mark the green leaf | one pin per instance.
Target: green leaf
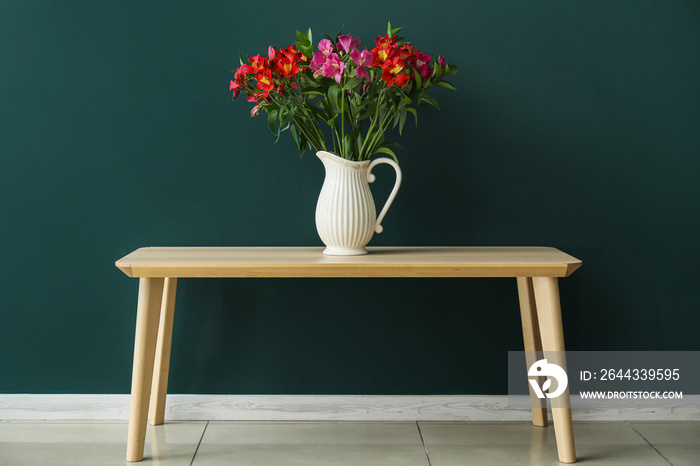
(293, 130)
(415, 114)
(305, 45)
(437, 70)
(370, 111)
(349, 144)
(430, 101)
(287, 115)
(272, 120)
(419, 80)
(402, 120)
(451, 69)
(299, 138)
(303, 39)
(386, 150)
(329, 110)
(333, 96)
(318, 113)
(352, 83)
(445, 84)
(331, 121)
(311, 90)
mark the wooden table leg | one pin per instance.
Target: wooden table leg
(161, 368)
(552, 332)
(533, 344)
(147, 317)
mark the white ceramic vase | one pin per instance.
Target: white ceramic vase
(345, 214)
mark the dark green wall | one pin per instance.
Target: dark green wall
(576, 125)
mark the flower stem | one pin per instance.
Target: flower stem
(342, 123)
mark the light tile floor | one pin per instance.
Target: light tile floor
(78, 443)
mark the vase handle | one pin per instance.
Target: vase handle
(370, 177)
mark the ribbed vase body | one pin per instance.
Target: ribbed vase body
(345, 214)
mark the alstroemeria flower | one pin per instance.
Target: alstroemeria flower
(287, 67)
(325, 47)
(286, 61)
(243, 69)
(317, 63)
(407, 53)
(259, 63)
(260, 99)
(422, 64)
(346, 43)
(238, 80)
(235, 87)
(392, 72)
(333, 68)
(385, 49)
(291, 52)
(362, 60)
(265, 82)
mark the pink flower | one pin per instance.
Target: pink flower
(346, 43)
(325, 47)
(362, 60)
(317, 63)
(422, 64)
(333, 67)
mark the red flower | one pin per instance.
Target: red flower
(239, 79)
(235, 87)
(245, 69)
(407, 53)
(292, 53)
(265, 82)
(286, 61)
(392, 72)
(259, 63)
(385, 50)
(259, 98)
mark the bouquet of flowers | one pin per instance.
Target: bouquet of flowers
(357, 93)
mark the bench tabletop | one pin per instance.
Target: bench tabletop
(287, 262)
